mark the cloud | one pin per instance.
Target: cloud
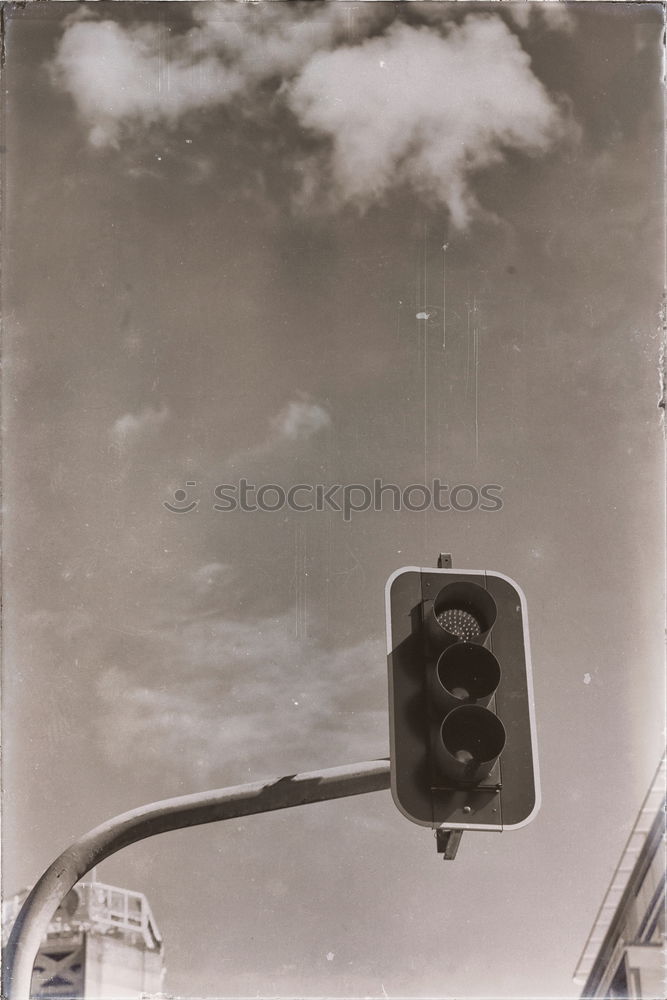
(554, 16)
(434, 110)
(299, 420)
(121, 76)
(277, 39)
(520, 14)
(249, 695)
(211, 575)
(289, 430)
(392, 104)
(211, 586)
(126, 78)
(132, 426)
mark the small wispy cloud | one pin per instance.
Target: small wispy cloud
(299, 420)
(211, 576)
(132, 426)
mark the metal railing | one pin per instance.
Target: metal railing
(99, 907)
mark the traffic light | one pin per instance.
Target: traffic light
(462, 727)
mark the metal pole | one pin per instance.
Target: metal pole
(40, 905)
(447, 841)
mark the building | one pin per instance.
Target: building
(624, 956)
(102, 942)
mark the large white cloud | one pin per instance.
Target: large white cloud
(392, 103)
(414, 106)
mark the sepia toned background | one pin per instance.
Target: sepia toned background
(221, 224)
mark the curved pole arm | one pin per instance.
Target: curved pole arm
(40, 905)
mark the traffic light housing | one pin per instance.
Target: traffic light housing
(462, 727)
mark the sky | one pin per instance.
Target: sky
(221, 223)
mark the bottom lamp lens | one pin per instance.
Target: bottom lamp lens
(471, 740)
